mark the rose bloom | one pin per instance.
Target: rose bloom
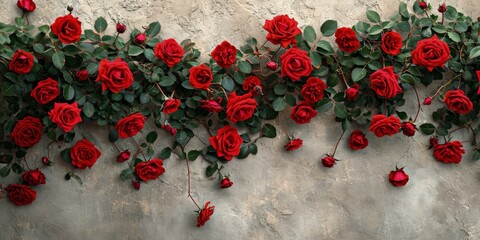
(328, 161)
(226, 183)
(251, 84)
(282, 30)
(431, 53)
(27, 132)
(227, 142)
(140, 38)
(200, 77)
(171, 105)
(296, 64)
(205, 214)
(130, 125)
(67, 28)
(33, 177)
(121, 28)
(225, 54)
(449, 152)
(26, 5)
(149, 170)
(84, 154)
(408, 129)
(240, 108)
(312, 90)
(352, 92)
(384, 82)
(21, 62)
(382, 125)
(123, 156)
(65, 115)
(20, 194)
(293, 144)
(169, 51)
(45, 91)
(211, 106)
(392, 43)
(115, 76)
(82, 75)
(302, 113)
(357, 140)
(346, 40)
(457, 101)
(398, 178)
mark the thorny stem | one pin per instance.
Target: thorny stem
(139, 148)
(115, 145)
(474, 135)
(189, 193)
(342, 75)
(338, 142)
(444, 85)
(160, 88)
(418, 104)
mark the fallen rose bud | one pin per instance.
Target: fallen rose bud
(46, 161)
(136, 185)
(140, 38)
(124, 156)
(442, 8)
(293, 144)
(427, 101)
(272, 65)
(121, 28)
(398, 177)
(205, 214)
(226, 183)
(433, 142)
(328, 161)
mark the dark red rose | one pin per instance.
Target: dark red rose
(121, 28)
(204, 214)
(442, 8)
(33, 177)
(82, 75)
(20, 194)
(252, 84)
(433, 141)
(431, 53)
(398, 178)
(124, 156)
(84, 154)
(346, 40)
(384, 82)
(240, 108)
(423, 5)
(140, 38)
(312, 90)
(302, 113)
(115, 76)
(27, 132)
(427, 101)
(26, 5)
(282, 30)
(328, 161)
(357, 140)
(168, 128)
(293, 144)
(136, 184)
(392, 43)
(45, 91)
(46, 161)
(272, 65)
(200, 77)
(150, 170)
(408, 129)
(130, 125)
(352, 92)
(21, 63)
(227, 142)
(296, 64)
(211, 106)
(457, 101)
(226, 183)
(67, 28)
(384, 126)
(449, 152)
(171, 105)
(169, 51)
(65, 115)
(225, 54)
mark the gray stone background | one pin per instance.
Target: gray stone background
(277, 195)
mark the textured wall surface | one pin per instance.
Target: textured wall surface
(277, 195)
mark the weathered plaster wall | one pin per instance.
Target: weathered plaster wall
(276, 195)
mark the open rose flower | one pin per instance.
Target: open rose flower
(312, 90)
(115, 76)
(328, 161)
(398, 178)
(240, 108)
(130, 125)
(84, 154)
(171, 105)
(33, 177)
(352, 92)
(20, 194)
(67, 28)
(282, 30)
(26, 5)
(149, 170)
(449, 152)
(457, 101)
(357, 140)
(65, 115)
(227, 142)
(382, 125)
(225, 54)
(252, 84)
(384, 82)
(205, 214)
(226, 183)
(293, 144)
(431, 53)
(302, 113)
(346, 40)
(200, 77)
(392, 43)
(45, 91)
(169, 51)
(211, 106)
(296, 64)
(27, 132)
(21, 63)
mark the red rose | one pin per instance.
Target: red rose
(65, 115)
(136, 184)
(392, 43)
(302, 113)
(296, 64)
(82, 75)
(450, 152)
(21, 194)
(423, 5)
(346, 40)
(200, 77)
(427, 101)
(293, 144)
(408, 129)
(84, 154)
(431, 53)
(433, 141)
(171, 105)
(130, 125)
(312, 90)
(328, 161)
(357, 140)
(26, 5)
(225, 54)
(149, 170)
(168, 128)
(272, 65)
(45, 91)
(442, 8)
(282, 30)
(384, 82)
(252, 84)
(211, 106)
(204, 214)
(240, 108)
(227, 143)
(169, 51)
(457, 101)
(398, 178)
(116, 75)
(140, 38)
(27, 132)
(384, 126)
(67, 28)
(226, 183)
(21, 63)
(33, 177)
(124, 156)
(121, 28)
(352, 92)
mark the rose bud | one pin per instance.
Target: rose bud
(169, 129)
(33, 177)
(26, 5)
(124, 156)
(82, 75)
(398, 178)
(433, 142)
(46, 161)
(328, 161)
(272, 65)
(121, 28)
(408, 129)
(69, 8)
(427, 101)
(423, 5)
(140, 38)
(211, 106)
(293, 144)
(352, 92)
(226, 183)
(136, 184)
(442, 8)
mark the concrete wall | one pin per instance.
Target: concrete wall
(277, 195)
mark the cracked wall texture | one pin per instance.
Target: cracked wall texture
(277, 195)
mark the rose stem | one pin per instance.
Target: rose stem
(188, 177)
(139, 148)
(115, 145)
(418, 103)
(338, 142)
(26, 163)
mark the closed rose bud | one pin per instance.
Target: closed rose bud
(140, 38)
(398, 178)
(169, 129)
(226, 183)
(423, 5)
(136, 184)
(124, 156)
(408, 129)
(26, 5)
(69, 8)
(433, 142)
(352, 92)
(45, 161)
(272, 65)
(211, 106)
(121, 28)
(427, 101)
(82, 75)
(328, 161)
(442, 8)
(293, 144)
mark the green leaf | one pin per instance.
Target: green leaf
(244, 67)
(100, 24)
(454, 36)
(127, 174)
(153, 29)
(279, 104)
(228, 84)
(451, 13)
(9, 89)
(166, 81)
(373, 16)
(16, 168)
(402, 9)
(152, 137)
(329, 27)
(358, 74)
(340, 110)
(269, 131)
(134, 50)
(476, 156)
(65, 154)
(316, 59)
(113, 135)
(309, 34)
(92, 35)
(427, 128)
(375, 30)
(192, 155)
(5, 171)
(88, 109)
(212, 169)
(68, 92)
(407, 78)
(253, 149)
(165, 153)
(475, 52)
(58, 59)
